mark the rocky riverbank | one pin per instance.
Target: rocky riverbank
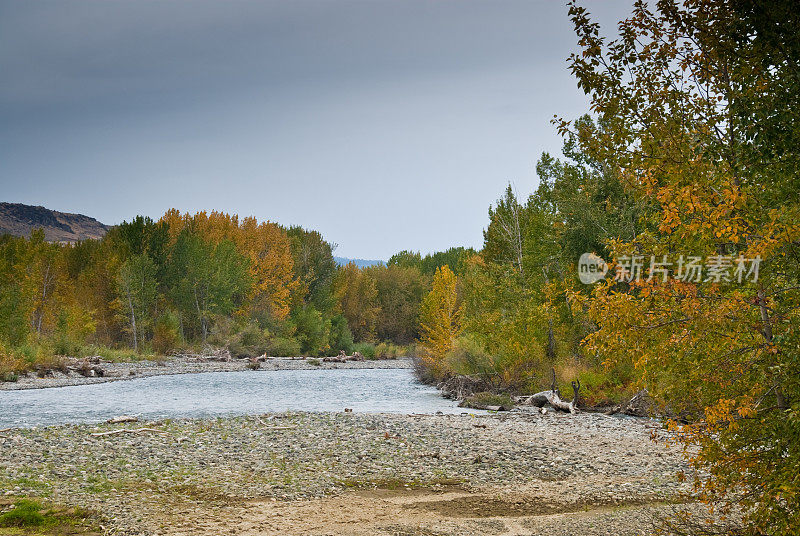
(346, 473)
(189, 365)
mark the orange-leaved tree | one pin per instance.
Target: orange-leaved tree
(699, 104)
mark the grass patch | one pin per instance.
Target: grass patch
(486, 400)
(26, 513)
(29, 516)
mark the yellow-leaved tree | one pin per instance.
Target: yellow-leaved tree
(698, 104)
(439, 319)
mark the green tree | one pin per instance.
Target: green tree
(399, 294)
(207, 279)
(138, 292)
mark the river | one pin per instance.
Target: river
(224, 393)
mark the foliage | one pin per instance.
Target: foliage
(698, 107)
(440, 322)
(427, 265)
(468, 357)
(283, 347)
(357, 294)
(166, 333)
(340, 338)
(312, 330)
(367, 349)
(399, 294)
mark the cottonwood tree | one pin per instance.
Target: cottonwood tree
(440, 320)
(700, 103)
(138, 293)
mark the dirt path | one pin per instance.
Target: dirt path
(537, 508)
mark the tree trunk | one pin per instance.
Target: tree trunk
(133, 321)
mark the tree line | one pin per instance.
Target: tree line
(185, 282)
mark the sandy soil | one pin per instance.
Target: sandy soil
(517, 511)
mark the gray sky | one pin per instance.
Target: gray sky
(385, 125)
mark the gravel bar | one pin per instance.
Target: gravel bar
(587, 460)
(182, 365)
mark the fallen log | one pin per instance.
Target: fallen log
(553, 397)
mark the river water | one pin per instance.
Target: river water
(224, 393)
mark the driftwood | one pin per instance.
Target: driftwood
(553, 397)
(342, 357)
(123, 418)
(128, 431)
(209, 354)
(87, 369)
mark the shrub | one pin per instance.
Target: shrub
(283, 347)
(340, 338)
(166, 334)
(46, 364)
(26, 513)
(311, 330)
(367, 349)
(469, 357)
(248, 342)
(388, 350)
(10, 377)
(63, 345)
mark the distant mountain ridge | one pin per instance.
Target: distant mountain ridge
(361, 263)
(19, 220)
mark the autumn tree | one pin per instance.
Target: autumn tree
(357, 295)
(440, 320)
(699, 107)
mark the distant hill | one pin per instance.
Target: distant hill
(361, 263)
(19, 220)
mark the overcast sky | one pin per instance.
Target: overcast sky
(385, 125)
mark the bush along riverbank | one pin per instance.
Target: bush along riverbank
(481, 393)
